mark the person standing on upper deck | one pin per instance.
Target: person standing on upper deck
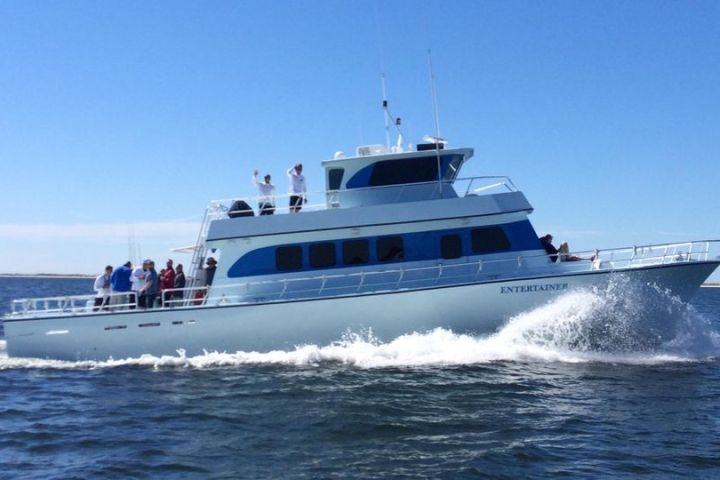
(266, 194)
(298, 191)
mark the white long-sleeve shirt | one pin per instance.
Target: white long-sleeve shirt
(297, 182)
(137, 278)
(266, 192)
(102, 285)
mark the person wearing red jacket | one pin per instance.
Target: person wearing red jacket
(167, 281)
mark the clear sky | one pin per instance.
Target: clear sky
(120, 120)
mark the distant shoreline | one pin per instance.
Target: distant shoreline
(44, 275)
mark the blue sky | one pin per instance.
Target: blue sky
(122, 119)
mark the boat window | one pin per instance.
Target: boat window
(450, 246)
(335, 176)
(288, 258)
(390, 249)
(355, 252)
(490, 239)
(322, 255)
(405, 170)
(453, 167)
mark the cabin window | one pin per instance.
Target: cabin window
(390, 249)
(450, 246)
(355, 252)
(453, 167)
(490, 239)
(288, 258)
(335, 176)
(322, 255)
(406, 170)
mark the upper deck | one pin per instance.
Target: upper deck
(416, 202)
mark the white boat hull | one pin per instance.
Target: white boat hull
(475, 308)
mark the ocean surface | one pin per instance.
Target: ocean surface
(579, 388)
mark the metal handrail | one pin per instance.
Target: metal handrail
(482, 270)
(220, 207)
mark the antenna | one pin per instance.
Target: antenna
(433, 92)
(131, 243)
(386, 114)
(396, 121)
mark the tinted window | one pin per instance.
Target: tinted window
(288, 258)
(491, 239)
(355, 252)
(322, 255)
(390, 249)
(335, 177)
(451, 246)
(407, 170)
(452, 169)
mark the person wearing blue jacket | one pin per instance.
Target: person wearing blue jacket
(120, 284)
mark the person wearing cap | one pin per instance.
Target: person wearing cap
(120, 284)
(266, 194)
(298, 190)
(210, 271)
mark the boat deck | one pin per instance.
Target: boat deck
(396, 278)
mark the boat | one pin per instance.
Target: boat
(400, 243)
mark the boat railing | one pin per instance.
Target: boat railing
(390, 279)
(393, 279)
(467, 186)
(73, 304)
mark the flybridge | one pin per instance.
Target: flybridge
(406, 176)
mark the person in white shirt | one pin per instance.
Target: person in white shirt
(137, 280)
(103, 289)
(266, 195)
(298, 191)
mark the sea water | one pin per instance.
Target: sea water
(619, 383)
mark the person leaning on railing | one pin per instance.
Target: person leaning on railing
(103, 289)
(120, 284)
